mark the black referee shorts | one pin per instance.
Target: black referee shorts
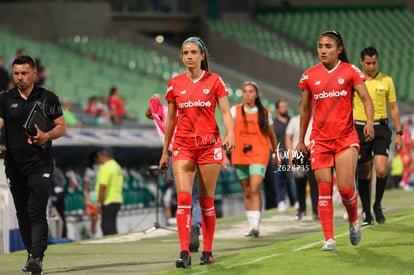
(379, 145)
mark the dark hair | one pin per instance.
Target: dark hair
(370, 51)
(25, 59)
(112, 90)
(106, 151)
(278, 102)
(92, 158)
(263, 125)
(343, 56)
(203, 49)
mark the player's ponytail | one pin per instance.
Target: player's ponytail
(343, 56)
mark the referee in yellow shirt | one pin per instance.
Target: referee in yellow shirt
(381, 89)
(109, 182)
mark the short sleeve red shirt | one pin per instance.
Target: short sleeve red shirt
(115, 101)
(332, 93)
(196, 104)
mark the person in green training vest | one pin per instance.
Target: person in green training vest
(108, 187)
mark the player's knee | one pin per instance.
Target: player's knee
(381, 173)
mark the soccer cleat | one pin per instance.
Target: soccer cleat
(379, 216)
(34, 265)
(184, 261)
(24, 268)
(329, 245)
(300, 215)
(194, 238)
(252, 233)
(255, 233)
(355, 233)
(206, 258)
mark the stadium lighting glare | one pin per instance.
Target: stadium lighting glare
(159, 38)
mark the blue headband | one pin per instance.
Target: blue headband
(195, 40)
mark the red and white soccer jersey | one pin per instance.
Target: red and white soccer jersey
(332, 93)
(196, 104)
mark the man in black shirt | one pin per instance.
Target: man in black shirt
(28, 160)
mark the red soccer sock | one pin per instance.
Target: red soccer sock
(184, 219)
(350, 201)
(325, 208)
(405, 176)
(208, 222)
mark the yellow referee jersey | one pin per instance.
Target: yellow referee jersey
(381, 89)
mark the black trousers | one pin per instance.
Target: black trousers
(109, 214)
(30, 195)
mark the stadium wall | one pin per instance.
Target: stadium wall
(49, 21)
(259, 64)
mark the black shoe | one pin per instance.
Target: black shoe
(34, 265)
(379, 216)
(194, 239)
(24, 268)
(368, 222)
(368, 219)
(206, 258)
(184, 261)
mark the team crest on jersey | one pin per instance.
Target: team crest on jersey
(175, 153)
(341, 80)
(206, 90)
(303, 77)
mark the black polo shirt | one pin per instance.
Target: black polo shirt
(14, 110)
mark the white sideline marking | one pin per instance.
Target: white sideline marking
(296, 249)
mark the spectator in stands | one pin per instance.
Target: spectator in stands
(102, 104)
(70, 118)
(92, 108)
(9, 66)
(283, 177)
(158, 113)
(116, 106)
(301, 174)
(103, 119)
(197, 143)
(328, 88)
(5, 81)
(58, 197)
(89, 195)
(254, 135)
(381, 89)
(30, 166)
(109, 182)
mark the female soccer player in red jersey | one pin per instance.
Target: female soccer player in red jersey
(334, 141)
(197, 144)
(253, 131)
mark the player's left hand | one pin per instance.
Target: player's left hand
(40, 137)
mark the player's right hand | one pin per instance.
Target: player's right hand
(301, 147)
(164, 161)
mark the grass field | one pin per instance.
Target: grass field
(286, 246)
